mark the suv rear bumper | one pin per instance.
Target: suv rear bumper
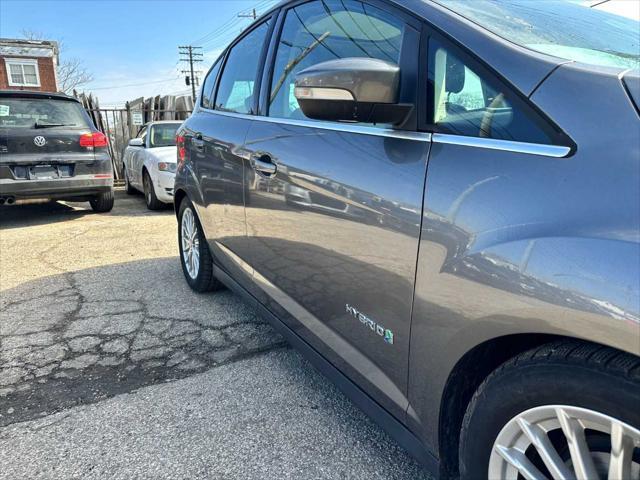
(59, 188)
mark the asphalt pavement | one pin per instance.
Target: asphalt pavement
(110, 367)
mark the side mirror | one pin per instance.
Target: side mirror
(136, 142)
(352, 89)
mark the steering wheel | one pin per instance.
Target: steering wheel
(487, 118)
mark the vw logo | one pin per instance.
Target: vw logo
(40, 141)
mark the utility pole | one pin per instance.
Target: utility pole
(249, 15)
(189, 54)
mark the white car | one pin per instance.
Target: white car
(150, 163)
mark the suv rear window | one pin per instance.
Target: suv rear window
(40, 113)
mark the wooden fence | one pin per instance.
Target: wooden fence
(122, 124)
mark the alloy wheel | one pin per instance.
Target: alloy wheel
(564, 442)
(190, 243)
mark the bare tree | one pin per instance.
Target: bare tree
(71, 72)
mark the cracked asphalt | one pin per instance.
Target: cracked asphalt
(110, 367)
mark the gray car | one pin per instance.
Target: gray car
(438, 203)
(50, 148)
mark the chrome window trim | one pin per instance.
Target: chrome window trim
(334, 126)
(556, 151)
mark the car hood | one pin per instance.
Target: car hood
(163, 154)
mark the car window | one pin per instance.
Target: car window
(236, 87)
(592, 36)
(209, 85)
(142, 133)
(41, 112)
(325, 30)
(163, 134)
(466, 100)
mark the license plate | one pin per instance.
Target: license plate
(43, 172)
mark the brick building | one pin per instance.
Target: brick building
(28, 65)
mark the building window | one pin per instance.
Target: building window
(22, 73)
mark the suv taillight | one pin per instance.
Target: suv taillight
(93, 139)
(181, 150)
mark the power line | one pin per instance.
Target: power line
(189, 54)
(134, 84)
(215, 32)
(232, 28)
(232, 22)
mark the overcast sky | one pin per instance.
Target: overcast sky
(127, 45)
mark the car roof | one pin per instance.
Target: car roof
(35, 94)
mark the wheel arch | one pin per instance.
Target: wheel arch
(467, 375)
(178, 195)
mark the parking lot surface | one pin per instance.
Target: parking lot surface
(111, 367)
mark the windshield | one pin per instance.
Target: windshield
(164, 134)
(564, 28)
(40, 113)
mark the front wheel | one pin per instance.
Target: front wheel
(565, 410)
(103, 202)
(150, 193)
(197, 264)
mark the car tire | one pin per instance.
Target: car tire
(544, 393)
(200, 277)
(128, 188)
(150, 193)
(103, 202)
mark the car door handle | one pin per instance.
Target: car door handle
(265, 165)
(198, 142)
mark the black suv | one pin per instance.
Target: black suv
(49, 148)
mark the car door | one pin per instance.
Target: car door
(126, 161)
(334, 209)
(497, 168)
(132, 160)
(215, 134)
(140, 155)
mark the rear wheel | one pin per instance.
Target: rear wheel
(150, 193)
(564, 410)
(197, 264)
(127, 183)
(103, 202)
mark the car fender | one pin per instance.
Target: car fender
(154, 156)
(186, 184)
(569, 286)
(150, 164)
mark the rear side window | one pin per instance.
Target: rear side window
(466, 100)
(40, 113)
(237, 83)
(208, 91)
(325, 30)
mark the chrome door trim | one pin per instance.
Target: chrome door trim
(335, 126)
(557, 151)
